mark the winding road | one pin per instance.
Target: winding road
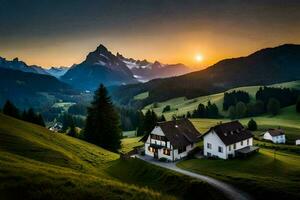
(229, 191)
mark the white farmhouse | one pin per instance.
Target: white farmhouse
(275, 135)
(227, 140)
(297, 142)
(172, 140)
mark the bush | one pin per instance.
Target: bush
(166, 108)
(252, 126)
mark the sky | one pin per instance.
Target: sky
(62, 32)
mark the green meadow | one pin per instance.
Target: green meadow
(263, 175)
(182, 105)
(38, 164)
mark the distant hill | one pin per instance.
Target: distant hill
(27, 89)
(266, 66)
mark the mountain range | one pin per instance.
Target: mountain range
(266, 66)
(24, 83)
(102, 66)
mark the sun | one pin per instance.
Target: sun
(199, 57)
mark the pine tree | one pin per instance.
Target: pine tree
(72, 130)
(273, 106)
(298, 105)
(232, 112)
(241, 109)
(11, 110)
(102, 122)
(252, 126)
(40, 121)
(141, 128)
(150, 121)
(162, 119)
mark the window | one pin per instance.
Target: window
(151, 149)
(234, 146)
(247, 141)
(166, 152)
(209, 146)
(229, 148)
(208, 154)
(220, 149)
(242, 143)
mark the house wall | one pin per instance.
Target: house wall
(239, 145)
(297, 142)
(213, 139)
(216, 142)
(178, 156)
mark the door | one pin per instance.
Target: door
(156, 153)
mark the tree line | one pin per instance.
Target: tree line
(27, 115)
(209, 111)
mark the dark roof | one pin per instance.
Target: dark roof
(230, 132)
(276, 132)
(180, 132)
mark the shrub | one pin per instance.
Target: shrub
(166, 108)
(162, 160)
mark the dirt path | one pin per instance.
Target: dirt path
(229, 191)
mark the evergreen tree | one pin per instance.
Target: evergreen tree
(241, 109)
(252, 126)
(40, 121)
(273, 106)
(201, 111)
(162, 119)
(188, 115)
(102, 122)
(141, 128)
(72, 130)
(10, 109)
(232, 112)
(298, 105)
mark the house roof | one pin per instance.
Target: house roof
(230, 132)
(276, 132)
(180, 132)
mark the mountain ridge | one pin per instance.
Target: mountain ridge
(265, 66)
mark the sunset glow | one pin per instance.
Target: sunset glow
(199, 58)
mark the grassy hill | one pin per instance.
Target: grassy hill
(182, 105)
(38, 164)
(261, 175)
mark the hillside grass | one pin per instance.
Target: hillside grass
(261, 175)
(288, 119)
(128, 144)
(182, 105)
(38, 164)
